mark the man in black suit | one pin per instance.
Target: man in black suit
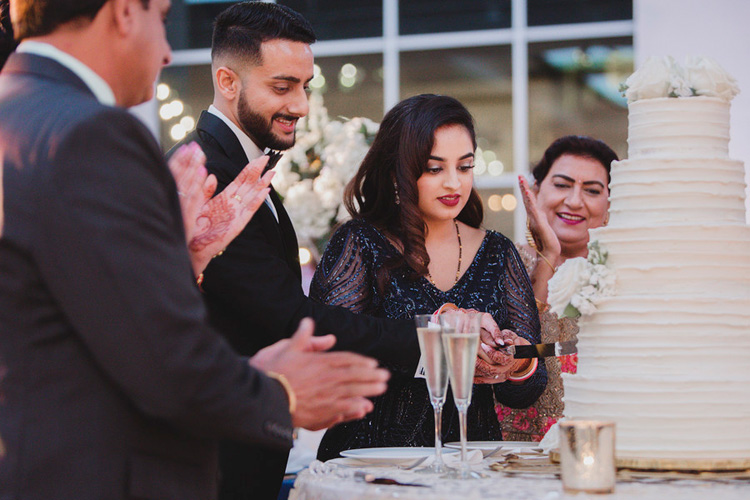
(111, 383)
(261, 65)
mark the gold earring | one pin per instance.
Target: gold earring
(606, 219)
(395, 190)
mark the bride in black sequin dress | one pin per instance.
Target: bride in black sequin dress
(414, 244)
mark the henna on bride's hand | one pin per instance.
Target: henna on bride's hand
(482, 369)
(500, 358)
(484, 373)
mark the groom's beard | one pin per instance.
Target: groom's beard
(259, 129)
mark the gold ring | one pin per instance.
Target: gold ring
(237, 197)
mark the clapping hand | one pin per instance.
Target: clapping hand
(331, 387)
(212, 223)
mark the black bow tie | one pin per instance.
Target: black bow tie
(273, 159)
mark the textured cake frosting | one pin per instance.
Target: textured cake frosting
(667, 127)
(668, 356)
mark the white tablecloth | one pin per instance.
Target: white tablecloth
(337, 482)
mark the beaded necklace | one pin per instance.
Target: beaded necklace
(460, 252)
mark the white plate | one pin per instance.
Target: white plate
(395, 456)
(489, 446)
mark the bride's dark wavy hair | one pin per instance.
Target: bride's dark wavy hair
(397, 158)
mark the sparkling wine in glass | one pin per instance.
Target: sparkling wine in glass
(460, 334)
(436, 375)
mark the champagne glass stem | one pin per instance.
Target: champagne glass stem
(438, 407)
(465, 469)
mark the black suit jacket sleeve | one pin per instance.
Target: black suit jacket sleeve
(252, 291)
(112, 251)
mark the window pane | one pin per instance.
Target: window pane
(573, 89)
(353, 85)
(340, 19)
(542, 12)
(428, 16)
(480, 79)
(190, 25)
(190, 92)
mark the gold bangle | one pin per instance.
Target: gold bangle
(448, 306)
(287, 387)
(526, 372)
(554, 270)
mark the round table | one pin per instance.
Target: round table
(332, 481)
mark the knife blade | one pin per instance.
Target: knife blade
(541, 350)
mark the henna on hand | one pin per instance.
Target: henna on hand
(224, 216)
(211, 223)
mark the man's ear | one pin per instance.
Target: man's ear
(228, 83)
(122, 12)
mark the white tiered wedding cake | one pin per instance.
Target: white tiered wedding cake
(667, 357)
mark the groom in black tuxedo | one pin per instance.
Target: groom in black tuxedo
(262, 64)
(112, 385)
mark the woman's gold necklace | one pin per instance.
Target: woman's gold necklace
(460, 252)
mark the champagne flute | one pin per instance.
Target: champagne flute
(460, 334)
(436, 376)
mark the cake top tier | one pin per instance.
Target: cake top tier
(665, 77)
(685, 127)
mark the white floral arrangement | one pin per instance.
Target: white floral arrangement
(311, 176)
(581, 283)
(665, 77)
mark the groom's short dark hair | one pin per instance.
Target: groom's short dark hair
(42, 17)
(240, 30)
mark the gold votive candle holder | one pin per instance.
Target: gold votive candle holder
(587, 456)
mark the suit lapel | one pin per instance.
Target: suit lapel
(288, 235)
(222, 136)
(213, 129)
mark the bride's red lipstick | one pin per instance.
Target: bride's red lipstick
(450, 200)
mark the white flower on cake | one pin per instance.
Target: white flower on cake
(311, 176)
(580, 284)
(707, 78)
(657, 77)
(665, 77)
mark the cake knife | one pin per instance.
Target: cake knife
(541, 350)
(370, 478)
